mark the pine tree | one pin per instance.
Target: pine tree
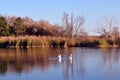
(4, 28)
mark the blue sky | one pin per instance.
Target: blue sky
(52, 10)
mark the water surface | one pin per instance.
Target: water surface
(44, 64)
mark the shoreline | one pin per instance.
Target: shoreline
(56, 42)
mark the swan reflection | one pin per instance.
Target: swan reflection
(70, 63)
(65, 58)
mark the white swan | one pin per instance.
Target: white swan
(70, 57)
(64, 58)
(59, 58)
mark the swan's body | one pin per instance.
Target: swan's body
(59, 58)
(70, 57)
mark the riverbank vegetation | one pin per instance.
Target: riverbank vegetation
(18, 32)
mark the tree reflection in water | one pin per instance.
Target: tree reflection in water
(70, 70)
(19, 60)
(3, 67)
(111, 62)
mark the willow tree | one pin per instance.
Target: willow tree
(4, 29)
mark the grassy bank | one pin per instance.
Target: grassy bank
(37, 41)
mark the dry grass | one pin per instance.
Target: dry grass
(38, 41)
(35, 41)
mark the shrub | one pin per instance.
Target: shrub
(94, 43)
(103, 43)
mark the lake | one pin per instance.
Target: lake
(44, 64)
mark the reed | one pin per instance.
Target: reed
(35, 41)
(44, 41)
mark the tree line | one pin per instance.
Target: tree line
(71, 27)
(17, 26)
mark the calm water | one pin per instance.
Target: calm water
(43, 64)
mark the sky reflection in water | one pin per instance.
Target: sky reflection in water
(43, 64)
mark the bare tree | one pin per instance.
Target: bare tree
(79, 21)
(27, 21)
(72, 26)
(115, 35)
(106, 25)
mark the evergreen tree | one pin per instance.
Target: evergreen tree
(4, 28)
(19, 28)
